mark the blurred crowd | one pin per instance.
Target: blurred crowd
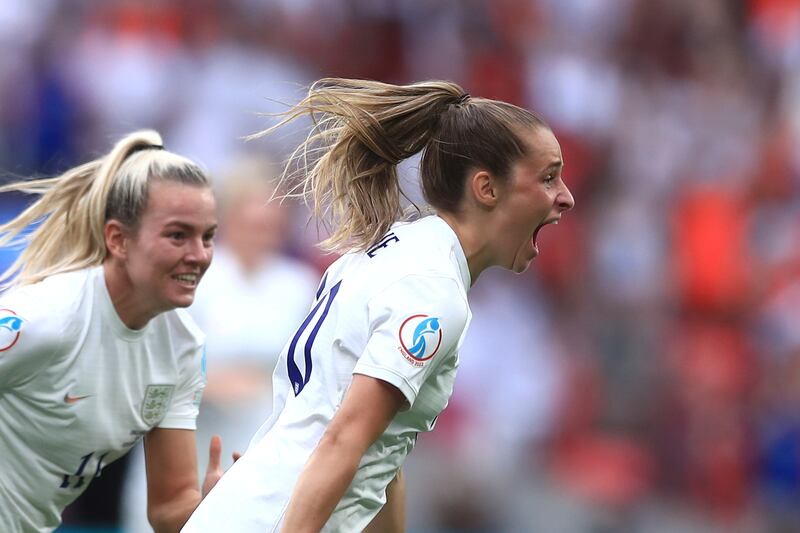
(644, 376)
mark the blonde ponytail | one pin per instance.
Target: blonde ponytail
(74, 207)
(347, 167)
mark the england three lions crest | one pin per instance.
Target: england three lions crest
(156, 402)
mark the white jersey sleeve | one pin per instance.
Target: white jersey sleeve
(30, 337)
(185, 405)
(415, 324)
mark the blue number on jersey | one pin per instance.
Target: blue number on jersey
(298, 379)
(67, 478)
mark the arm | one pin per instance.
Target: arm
(171, 463)
(172, 488)
(392, 517)
(368, 407)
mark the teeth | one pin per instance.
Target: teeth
(189, 278)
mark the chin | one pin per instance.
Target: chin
(185, 302)
(181, 301)
(518, 268)
(521, 262)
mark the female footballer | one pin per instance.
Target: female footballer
(374, 361)
(94, 352)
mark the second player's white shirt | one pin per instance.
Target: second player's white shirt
(78, 389)
(397, 312)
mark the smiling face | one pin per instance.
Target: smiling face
(172, 247)
(533, 197)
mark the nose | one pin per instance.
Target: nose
(198, 252)
(564, 200)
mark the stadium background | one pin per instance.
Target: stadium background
(644, 376)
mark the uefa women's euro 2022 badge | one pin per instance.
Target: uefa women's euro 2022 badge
(10, 326)
(420, 338)
(156, 402)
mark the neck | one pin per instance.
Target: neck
(474, 242)
(128, 303)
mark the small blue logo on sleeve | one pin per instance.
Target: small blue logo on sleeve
(10, 326)
(420, 338)
(204, 365)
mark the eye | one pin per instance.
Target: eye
(550, 178)
(208, 238)
(176, 235)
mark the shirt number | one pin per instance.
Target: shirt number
(299, 379)
(74, 481)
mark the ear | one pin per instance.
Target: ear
(116, 235)
(485, 189)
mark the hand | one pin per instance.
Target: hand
(214, 469)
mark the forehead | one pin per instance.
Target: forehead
(168, 201)
(543, 149)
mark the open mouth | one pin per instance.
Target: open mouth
(187, 280)
(536, 233)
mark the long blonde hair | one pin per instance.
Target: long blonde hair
(347, 166)
(75, 206)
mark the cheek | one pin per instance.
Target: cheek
(544, 201)
(139, 272)
(151, 267)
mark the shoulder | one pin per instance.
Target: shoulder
(428, 230)
(47, 309)
(55, 293)
(423, 294)
(187, 345)
(183, 329)
(417, 235)
(417, 258)
(422, 245)
(53, 301)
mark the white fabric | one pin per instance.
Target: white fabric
(363, 320)
(247, 316)
(78, 389)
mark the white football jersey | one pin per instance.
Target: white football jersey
(397, 312)
(78, 389)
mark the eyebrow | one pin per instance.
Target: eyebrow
(554, 165)
(185, 225)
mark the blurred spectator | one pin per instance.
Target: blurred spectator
(250, 302)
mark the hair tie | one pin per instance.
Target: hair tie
(463, 99)
(142, 147)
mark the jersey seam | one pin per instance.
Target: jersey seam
(171, 422)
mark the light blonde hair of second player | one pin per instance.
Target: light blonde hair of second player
(74, 207)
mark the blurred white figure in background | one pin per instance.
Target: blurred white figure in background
(252, 299)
